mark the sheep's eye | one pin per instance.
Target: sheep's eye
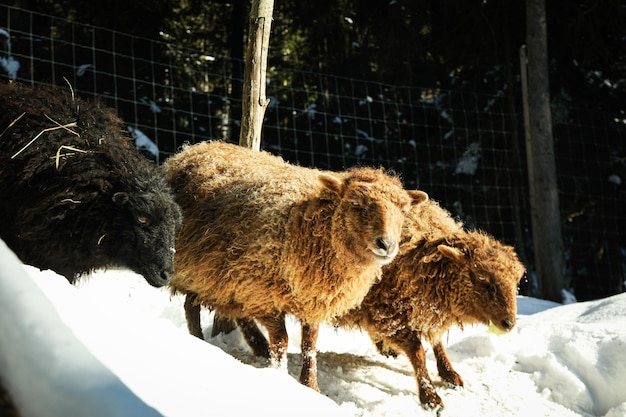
(481, 276)
(355, 204)
(143, 220)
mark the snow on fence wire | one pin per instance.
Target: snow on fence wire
(465, 149)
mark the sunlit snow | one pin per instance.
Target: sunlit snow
(115, 346)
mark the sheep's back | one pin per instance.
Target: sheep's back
(52, 138)
(226, 188)
(428, 221)
(44, 122)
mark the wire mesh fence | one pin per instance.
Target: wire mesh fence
(465, 149)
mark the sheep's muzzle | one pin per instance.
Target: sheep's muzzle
(385, 249)
(502, 327)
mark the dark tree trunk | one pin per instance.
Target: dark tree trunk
(544, 196)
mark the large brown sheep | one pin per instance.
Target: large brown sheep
(443, 276)
(262, 238)
(75, 193)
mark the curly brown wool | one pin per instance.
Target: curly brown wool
(443, 276)
(262, 238)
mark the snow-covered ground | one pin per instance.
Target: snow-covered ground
(114, 346)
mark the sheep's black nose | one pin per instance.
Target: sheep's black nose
(166, 276)
(508, 324)
(386, 244)
(160, 280)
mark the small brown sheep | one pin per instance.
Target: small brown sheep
(443, 276)
(262, 238)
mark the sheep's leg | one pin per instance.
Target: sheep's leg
(278, 340)
(444, 366)
(385, 350)
(256, 340)
(428, 396)
(308, 375)
(192, 314)
(222, 325)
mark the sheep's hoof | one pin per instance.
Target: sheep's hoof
(437, 409)
(430, 400)
(452, 379)
(310, 381)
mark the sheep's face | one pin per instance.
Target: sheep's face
(490, 276)
(370, 213)
(144, 230)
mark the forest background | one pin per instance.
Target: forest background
(415, 62)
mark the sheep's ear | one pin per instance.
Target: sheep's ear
(452, 253)
(333, 183)
(418, 196)
(120, 198)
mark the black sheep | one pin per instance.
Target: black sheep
(75, 194)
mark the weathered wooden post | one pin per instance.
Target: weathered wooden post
(544, 193)
(254, 100)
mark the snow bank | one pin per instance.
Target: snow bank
(45, 368)
(578, 358)
(114, 346)
(68, 355)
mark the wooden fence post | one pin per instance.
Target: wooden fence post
(544, 193)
